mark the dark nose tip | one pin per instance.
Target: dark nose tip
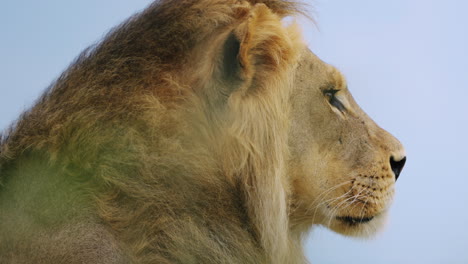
(397, 166)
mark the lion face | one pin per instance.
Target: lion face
(343, 166)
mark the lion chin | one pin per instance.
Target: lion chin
(358, 226)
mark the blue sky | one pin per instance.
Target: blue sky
(406, 63)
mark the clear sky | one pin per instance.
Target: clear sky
(406, 62)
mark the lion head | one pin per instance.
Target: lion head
(306, 151)
(336, 167)
(343, 166)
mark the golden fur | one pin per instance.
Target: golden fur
(196, 132)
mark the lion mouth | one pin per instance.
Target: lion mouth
(354, 220)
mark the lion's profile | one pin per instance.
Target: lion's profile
(199, 131)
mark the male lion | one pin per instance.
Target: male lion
(199, 131)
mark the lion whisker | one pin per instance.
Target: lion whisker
(329, 201)
(344, 204)
(323, 195)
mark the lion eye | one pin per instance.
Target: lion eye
(330, 94)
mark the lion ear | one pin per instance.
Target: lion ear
(259, 46)
(231, 68)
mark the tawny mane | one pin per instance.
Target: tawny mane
(177, 162)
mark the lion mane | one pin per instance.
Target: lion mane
(162, 146)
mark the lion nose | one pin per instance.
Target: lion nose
(397, 165)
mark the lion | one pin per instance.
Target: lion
(198, 131)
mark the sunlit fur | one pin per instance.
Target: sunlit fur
(143, 151)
